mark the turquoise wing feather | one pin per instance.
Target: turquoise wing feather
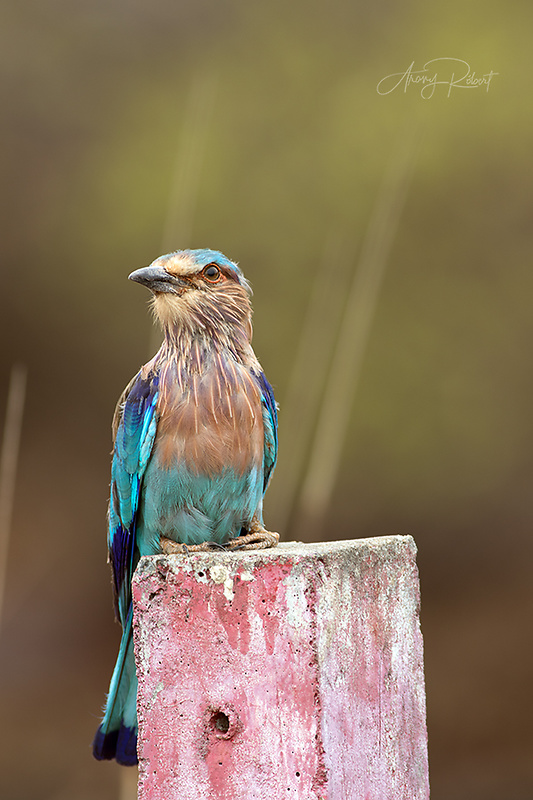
(270, 424)
(135, 434)
(135, 427)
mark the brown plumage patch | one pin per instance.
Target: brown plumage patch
(209, 407)
(210, 420)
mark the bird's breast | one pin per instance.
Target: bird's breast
(211, 420)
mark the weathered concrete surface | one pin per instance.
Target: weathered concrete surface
(294, 672)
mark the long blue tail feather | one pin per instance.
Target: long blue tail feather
(117, 735)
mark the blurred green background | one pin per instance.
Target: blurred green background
(130, 129)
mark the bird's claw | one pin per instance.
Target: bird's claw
(170, 547)
(256, 540)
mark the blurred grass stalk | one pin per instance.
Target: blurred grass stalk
(342, 379)
(184, 188)
(306, 382)
(8, 465)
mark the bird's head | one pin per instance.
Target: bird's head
(198, 289)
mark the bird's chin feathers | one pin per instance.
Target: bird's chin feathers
(169, 309)
(224, 308)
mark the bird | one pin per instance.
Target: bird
(195, 445)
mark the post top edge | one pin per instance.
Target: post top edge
(382, 547)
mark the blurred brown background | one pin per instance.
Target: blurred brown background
(130, 129)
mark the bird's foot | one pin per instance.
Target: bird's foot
(258, 538)
(170, 547)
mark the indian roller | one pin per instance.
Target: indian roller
(195, 444)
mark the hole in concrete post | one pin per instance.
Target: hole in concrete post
(220, 721)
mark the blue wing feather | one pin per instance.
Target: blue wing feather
(270, 423)
(135, 427)
(133, 446)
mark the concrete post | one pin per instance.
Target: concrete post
(295, 672)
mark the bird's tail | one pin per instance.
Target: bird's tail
(117, 735)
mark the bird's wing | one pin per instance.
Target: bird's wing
(270, 425)
(134, 426)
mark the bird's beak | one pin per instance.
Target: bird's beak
(157, 279)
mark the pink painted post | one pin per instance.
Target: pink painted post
(294, 672)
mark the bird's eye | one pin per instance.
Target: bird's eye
(212, 273)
